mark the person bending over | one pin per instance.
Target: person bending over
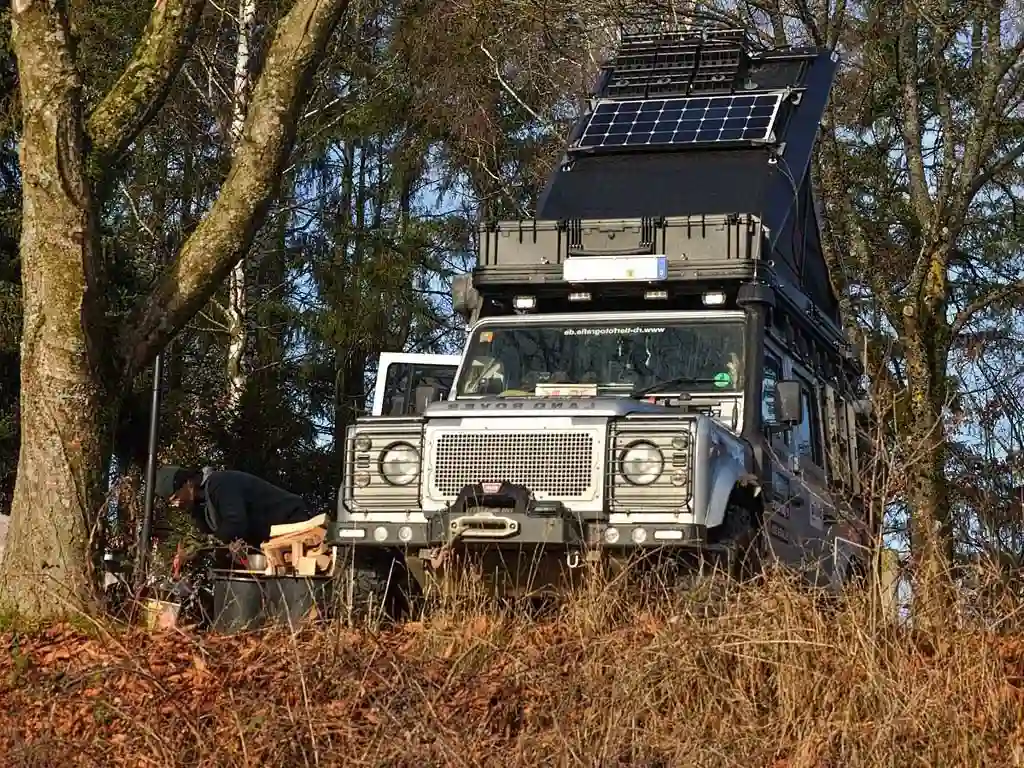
(231, 506)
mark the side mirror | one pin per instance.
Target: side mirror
(789, 406)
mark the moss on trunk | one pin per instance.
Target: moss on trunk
(69, 373)
(58, 492)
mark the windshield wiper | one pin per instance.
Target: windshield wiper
(670, 382)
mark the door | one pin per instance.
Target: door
(808, 466)
(802, 510)
(407, 380)
(784, 506)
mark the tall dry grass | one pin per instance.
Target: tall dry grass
(774, 677)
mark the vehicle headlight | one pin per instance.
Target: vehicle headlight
(400, 464)
(642, 463)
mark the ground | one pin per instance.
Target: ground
(772, 681)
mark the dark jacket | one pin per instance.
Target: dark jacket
(237, 505)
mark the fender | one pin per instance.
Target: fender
(725, 483)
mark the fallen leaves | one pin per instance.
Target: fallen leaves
(492, 690)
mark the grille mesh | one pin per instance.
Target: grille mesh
(559, 464)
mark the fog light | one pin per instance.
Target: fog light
(380, 533)
(405, 533)
(679, 479)
(362, 479)
(363, 443)
(679, 443)
(350, 533)
(611, 535)
(668, 535)
(639, 535)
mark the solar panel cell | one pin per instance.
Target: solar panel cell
(707, 119)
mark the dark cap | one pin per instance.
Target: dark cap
(169, 480)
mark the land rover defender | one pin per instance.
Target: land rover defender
(655, 362)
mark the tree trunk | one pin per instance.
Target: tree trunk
(66, 351)
(931, 532)
(237, 321)
(63, 420)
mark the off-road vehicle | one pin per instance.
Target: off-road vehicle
(657, 361)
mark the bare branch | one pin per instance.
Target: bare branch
(995, 296)
(135, 212)
(508, 88)
(996, 169)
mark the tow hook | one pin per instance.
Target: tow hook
(573, 559)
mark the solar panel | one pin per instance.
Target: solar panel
(695, 120)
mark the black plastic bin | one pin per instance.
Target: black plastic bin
(291, 599)
(240, 601)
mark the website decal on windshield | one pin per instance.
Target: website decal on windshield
(610, 331)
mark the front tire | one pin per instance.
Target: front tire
(370, 588)
(743, 534)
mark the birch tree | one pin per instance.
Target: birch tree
(236, 319)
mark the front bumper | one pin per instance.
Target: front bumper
(509, 517)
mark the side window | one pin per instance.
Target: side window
(806, 439)
(403, 379)
(772, 374)
(440, 376)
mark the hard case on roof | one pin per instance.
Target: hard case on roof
(522, 250)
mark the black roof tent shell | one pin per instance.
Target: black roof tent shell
(767, 180)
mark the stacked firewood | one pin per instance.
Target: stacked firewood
(298, 549)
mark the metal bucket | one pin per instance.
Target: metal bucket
(294, 600)
(240, 601)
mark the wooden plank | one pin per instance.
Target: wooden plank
(284, 530)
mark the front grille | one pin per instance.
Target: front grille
(557, 464)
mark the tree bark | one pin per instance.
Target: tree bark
(139, 93)
(63, 425)
(69, 376)
(237, 320)
(931, 529)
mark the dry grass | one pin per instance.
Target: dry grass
(773, 680)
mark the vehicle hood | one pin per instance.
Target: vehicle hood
(532, 407)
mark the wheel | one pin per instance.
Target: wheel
(371, 588)
(742, 533)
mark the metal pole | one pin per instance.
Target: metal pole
(147, 507)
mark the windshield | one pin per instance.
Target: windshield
(527, 360)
